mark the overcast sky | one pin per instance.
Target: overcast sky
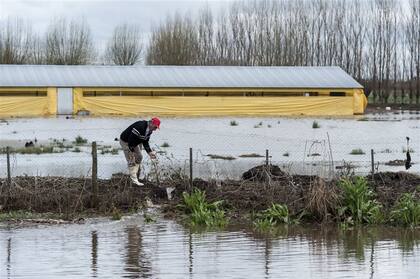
(103, 15)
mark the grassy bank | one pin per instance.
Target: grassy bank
(266, 198)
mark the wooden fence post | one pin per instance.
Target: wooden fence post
(9, 175)
(94, 175)
(191, 168)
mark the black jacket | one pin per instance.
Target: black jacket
(137, 133)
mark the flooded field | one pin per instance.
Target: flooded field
(293, 144)
(131, 248)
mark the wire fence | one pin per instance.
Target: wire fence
(219, 156)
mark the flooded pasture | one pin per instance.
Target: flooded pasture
(293, 144)
(131, 248)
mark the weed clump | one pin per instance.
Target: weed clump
(358, 203)
(407, 211)
(200, 212)
(79, 140)
(357, 151)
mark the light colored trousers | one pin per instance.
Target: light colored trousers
(133, 158)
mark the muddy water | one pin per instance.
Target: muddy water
(129, 248)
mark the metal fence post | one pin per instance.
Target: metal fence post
(94, 175)
(9, 175)
(191, 168)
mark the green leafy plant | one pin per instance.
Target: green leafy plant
(358, 203)
(275, 215)
(202, 213)
(407, 211)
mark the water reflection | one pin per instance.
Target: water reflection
(94, 253)
(9, 252)
(131, 249)
(136, 263)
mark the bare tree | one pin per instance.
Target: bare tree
(174, 43)
(125, 47)
(69, 43)
(15, 42)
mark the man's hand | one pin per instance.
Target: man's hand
(152, 155)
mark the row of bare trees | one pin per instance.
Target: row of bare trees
(376, 41)
(66, 43)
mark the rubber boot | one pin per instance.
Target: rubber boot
(133, 175)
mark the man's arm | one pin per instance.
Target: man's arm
(147, 146)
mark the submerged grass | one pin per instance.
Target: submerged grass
(407, 211)
(357, 151)
(214, 156)
(251, 155)
(79, 140)
(315, 125)
(358, 203)
(200, 212)
(33, 150)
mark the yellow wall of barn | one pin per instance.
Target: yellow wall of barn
(16, 102)
(11, 104)
(354, 102)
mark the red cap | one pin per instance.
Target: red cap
(156, 121)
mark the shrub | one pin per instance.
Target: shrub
(407, 211)
(315, 125)
(234, 123)
(358, 203)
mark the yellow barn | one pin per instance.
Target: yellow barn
(39, 90)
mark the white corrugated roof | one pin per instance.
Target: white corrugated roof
(174, 76)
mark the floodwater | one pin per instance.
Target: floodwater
(292, 144)
(130, 248)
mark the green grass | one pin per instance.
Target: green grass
(357, 151)
(406, 211)
(363, 119)
(358, 203)
(200, 212)
(315, 125)
(234, 123)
